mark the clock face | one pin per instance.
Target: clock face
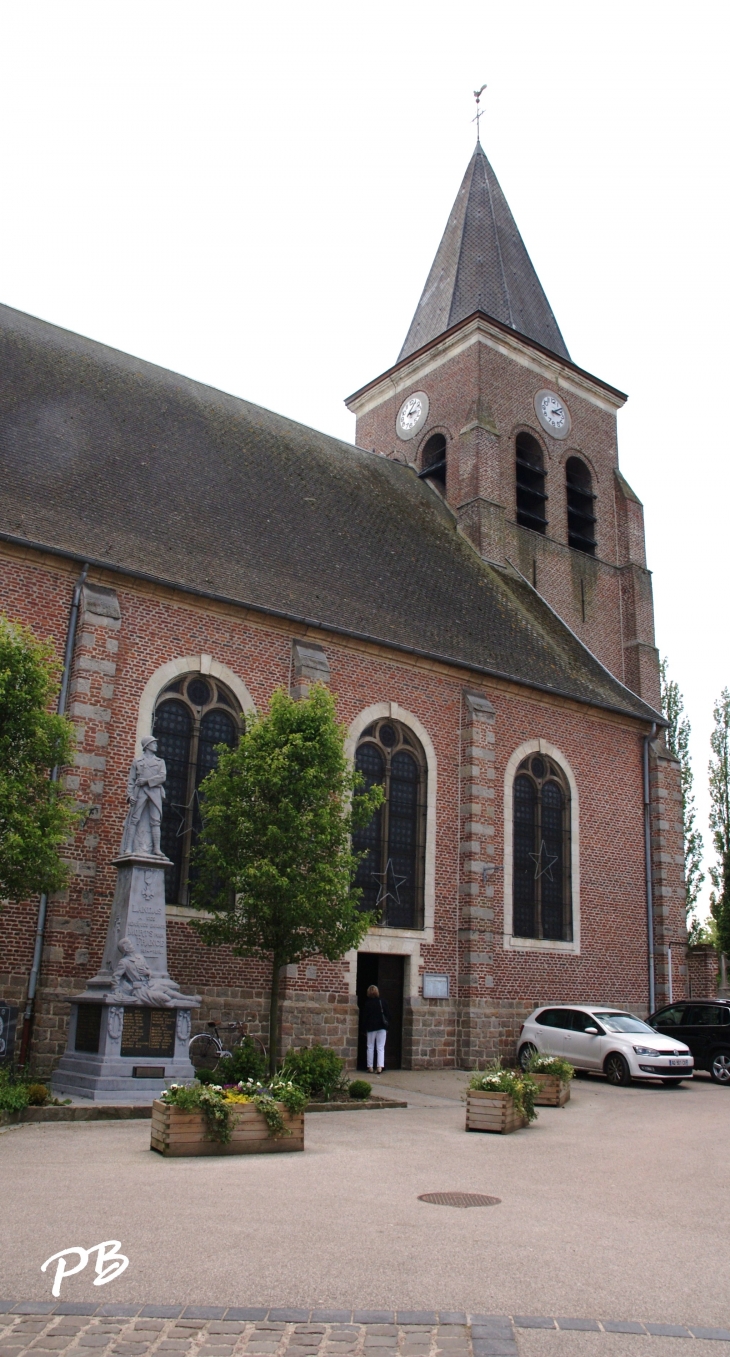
(552, 413)
(412, 415)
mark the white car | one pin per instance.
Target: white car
(606, 1040)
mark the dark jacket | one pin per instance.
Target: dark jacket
(372, 1014)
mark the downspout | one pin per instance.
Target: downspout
(647, 863)
(43, 902)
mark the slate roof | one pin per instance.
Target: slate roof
(108, 458)
(482, 265)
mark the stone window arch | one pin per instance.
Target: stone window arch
(392, 873)
(193, 714)
(541, 893)
(541, 850)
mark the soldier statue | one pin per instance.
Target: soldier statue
(145, 792)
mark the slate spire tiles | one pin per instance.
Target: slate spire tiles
(482, 265)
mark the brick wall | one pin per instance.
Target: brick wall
(127, 630)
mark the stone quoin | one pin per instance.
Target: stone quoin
(469, 579)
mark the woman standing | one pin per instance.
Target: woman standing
(375, 1017)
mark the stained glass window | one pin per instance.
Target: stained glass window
(390, 875)
(192, 717)
(541, 895)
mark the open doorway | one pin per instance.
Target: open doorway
(387, 973)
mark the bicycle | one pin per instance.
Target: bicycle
(206, 1049)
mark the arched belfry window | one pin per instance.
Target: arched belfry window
(581, 501)
(541, 872)
(391, 875)
(531, 499)
(433, 460)
(192, 716)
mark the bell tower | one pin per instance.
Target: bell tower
(485, 404)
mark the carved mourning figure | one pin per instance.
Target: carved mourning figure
(145, 793)
(133, 979)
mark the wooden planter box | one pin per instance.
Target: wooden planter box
(492, 1112)
(551, 1091)
(177, 1133)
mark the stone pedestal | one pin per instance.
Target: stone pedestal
(129, 1030)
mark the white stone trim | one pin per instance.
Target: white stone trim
(479, 331)
(540, 944)
(408, 935)
(187, 664)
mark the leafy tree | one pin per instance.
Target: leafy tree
(678, 734)
(274, 862)
(36, 814)
(720, 819)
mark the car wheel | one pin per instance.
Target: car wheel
(616, 1069)
(720, 1067)
(526, 1053)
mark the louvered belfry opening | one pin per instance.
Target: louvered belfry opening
(433, 460)
(581, 502)
(531, 499)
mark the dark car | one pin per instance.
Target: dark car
(704, 1026)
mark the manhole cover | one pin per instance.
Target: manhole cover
(458, 1199)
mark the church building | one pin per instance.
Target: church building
(468, 578)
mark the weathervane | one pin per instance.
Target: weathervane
(480, 111)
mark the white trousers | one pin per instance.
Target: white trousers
(379, 1038)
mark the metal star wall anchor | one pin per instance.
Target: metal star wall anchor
(384, 894)
(547, 868)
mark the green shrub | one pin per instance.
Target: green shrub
(13, 1096)
(245, 1062)
(315, 1069)
(550, 1064)
(360, 1088)
(37, 1095)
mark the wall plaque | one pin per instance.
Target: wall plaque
(88, 1028)
(149, 1032)
(8, 1021)
(435, 986)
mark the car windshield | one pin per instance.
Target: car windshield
(624, 1022)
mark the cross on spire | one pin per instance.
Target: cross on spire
(480, 111)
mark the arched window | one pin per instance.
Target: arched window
(391, 873)
(530, 483)
(541, 874)
(581, 499)
(192, 716)
(433, 460)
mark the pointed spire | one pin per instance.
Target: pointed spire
(482, 265)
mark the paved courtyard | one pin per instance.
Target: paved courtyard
(613, 1209)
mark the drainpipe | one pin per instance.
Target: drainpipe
(43, 902)
(647, 862)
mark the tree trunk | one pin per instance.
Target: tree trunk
(274, 1016)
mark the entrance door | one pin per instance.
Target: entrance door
(387, 973)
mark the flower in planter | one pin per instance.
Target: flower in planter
(521, 1088)
(551, 1065)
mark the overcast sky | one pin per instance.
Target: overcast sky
(252, 194)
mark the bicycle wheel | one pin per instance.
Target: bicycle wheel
(204, 1051)
(258, 1043)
